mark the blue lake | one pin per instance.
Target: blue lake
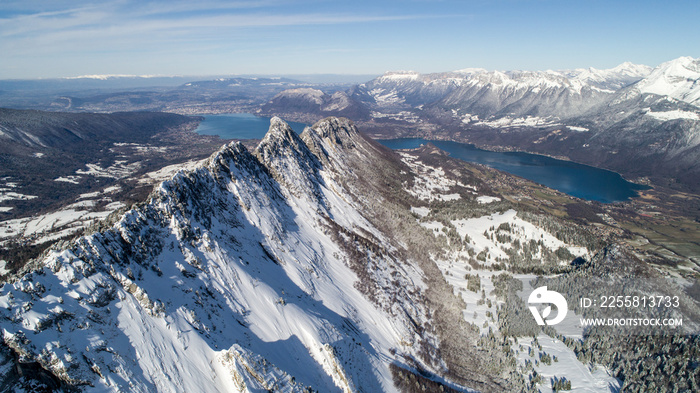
(581, 181)
(240, 126)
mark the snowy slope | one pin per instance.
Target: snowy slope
(231, 278)
(677, 79)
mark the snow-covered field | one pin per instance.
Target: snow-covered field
(507, 121)
(142, 149)
(481, 304)
(400, 116)
(118, 170)
(7, 193)
(477, 229)
(55, 225)
(487, 199)
(87, 209)
(69, 179)
(673, 115)
(583, 377)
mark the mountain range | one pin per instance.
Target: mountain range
(639, 121)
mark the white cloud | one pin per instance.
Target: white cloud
(117, 24)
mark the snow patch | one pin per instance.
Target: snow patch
(69, 179)
(434, 226)
(421, 211)
(399, 116)
(14, 196)
(529, 121)
(673, 115)
(584, 378)
(120, 169)
(487, 199)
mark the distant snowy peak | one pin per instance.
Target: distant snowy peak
(631, 69)
(308, 93)
(679, 79)
(611, 79)
(399, 77)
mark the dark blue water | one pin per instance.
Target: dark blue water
(581, 181)
(240, 126)
(578, 180)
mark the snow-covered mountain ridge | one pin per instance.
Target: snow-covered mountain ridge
(257, 270)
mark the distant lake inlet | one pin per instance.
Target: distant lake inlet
(240, 126)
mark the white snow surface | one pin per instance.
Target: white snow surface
(11, 196)
(487, 199)
(86, 210)
(421, 211)
(7, 193)
(118, 170)
(673, 115)
(528, 121)
(676, 78)
(584, 378)
(167, 172)
(69, 179)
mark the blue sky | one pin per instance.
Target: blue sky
(55, 38)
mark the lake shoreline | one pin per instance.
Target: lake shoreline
(576, 179)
